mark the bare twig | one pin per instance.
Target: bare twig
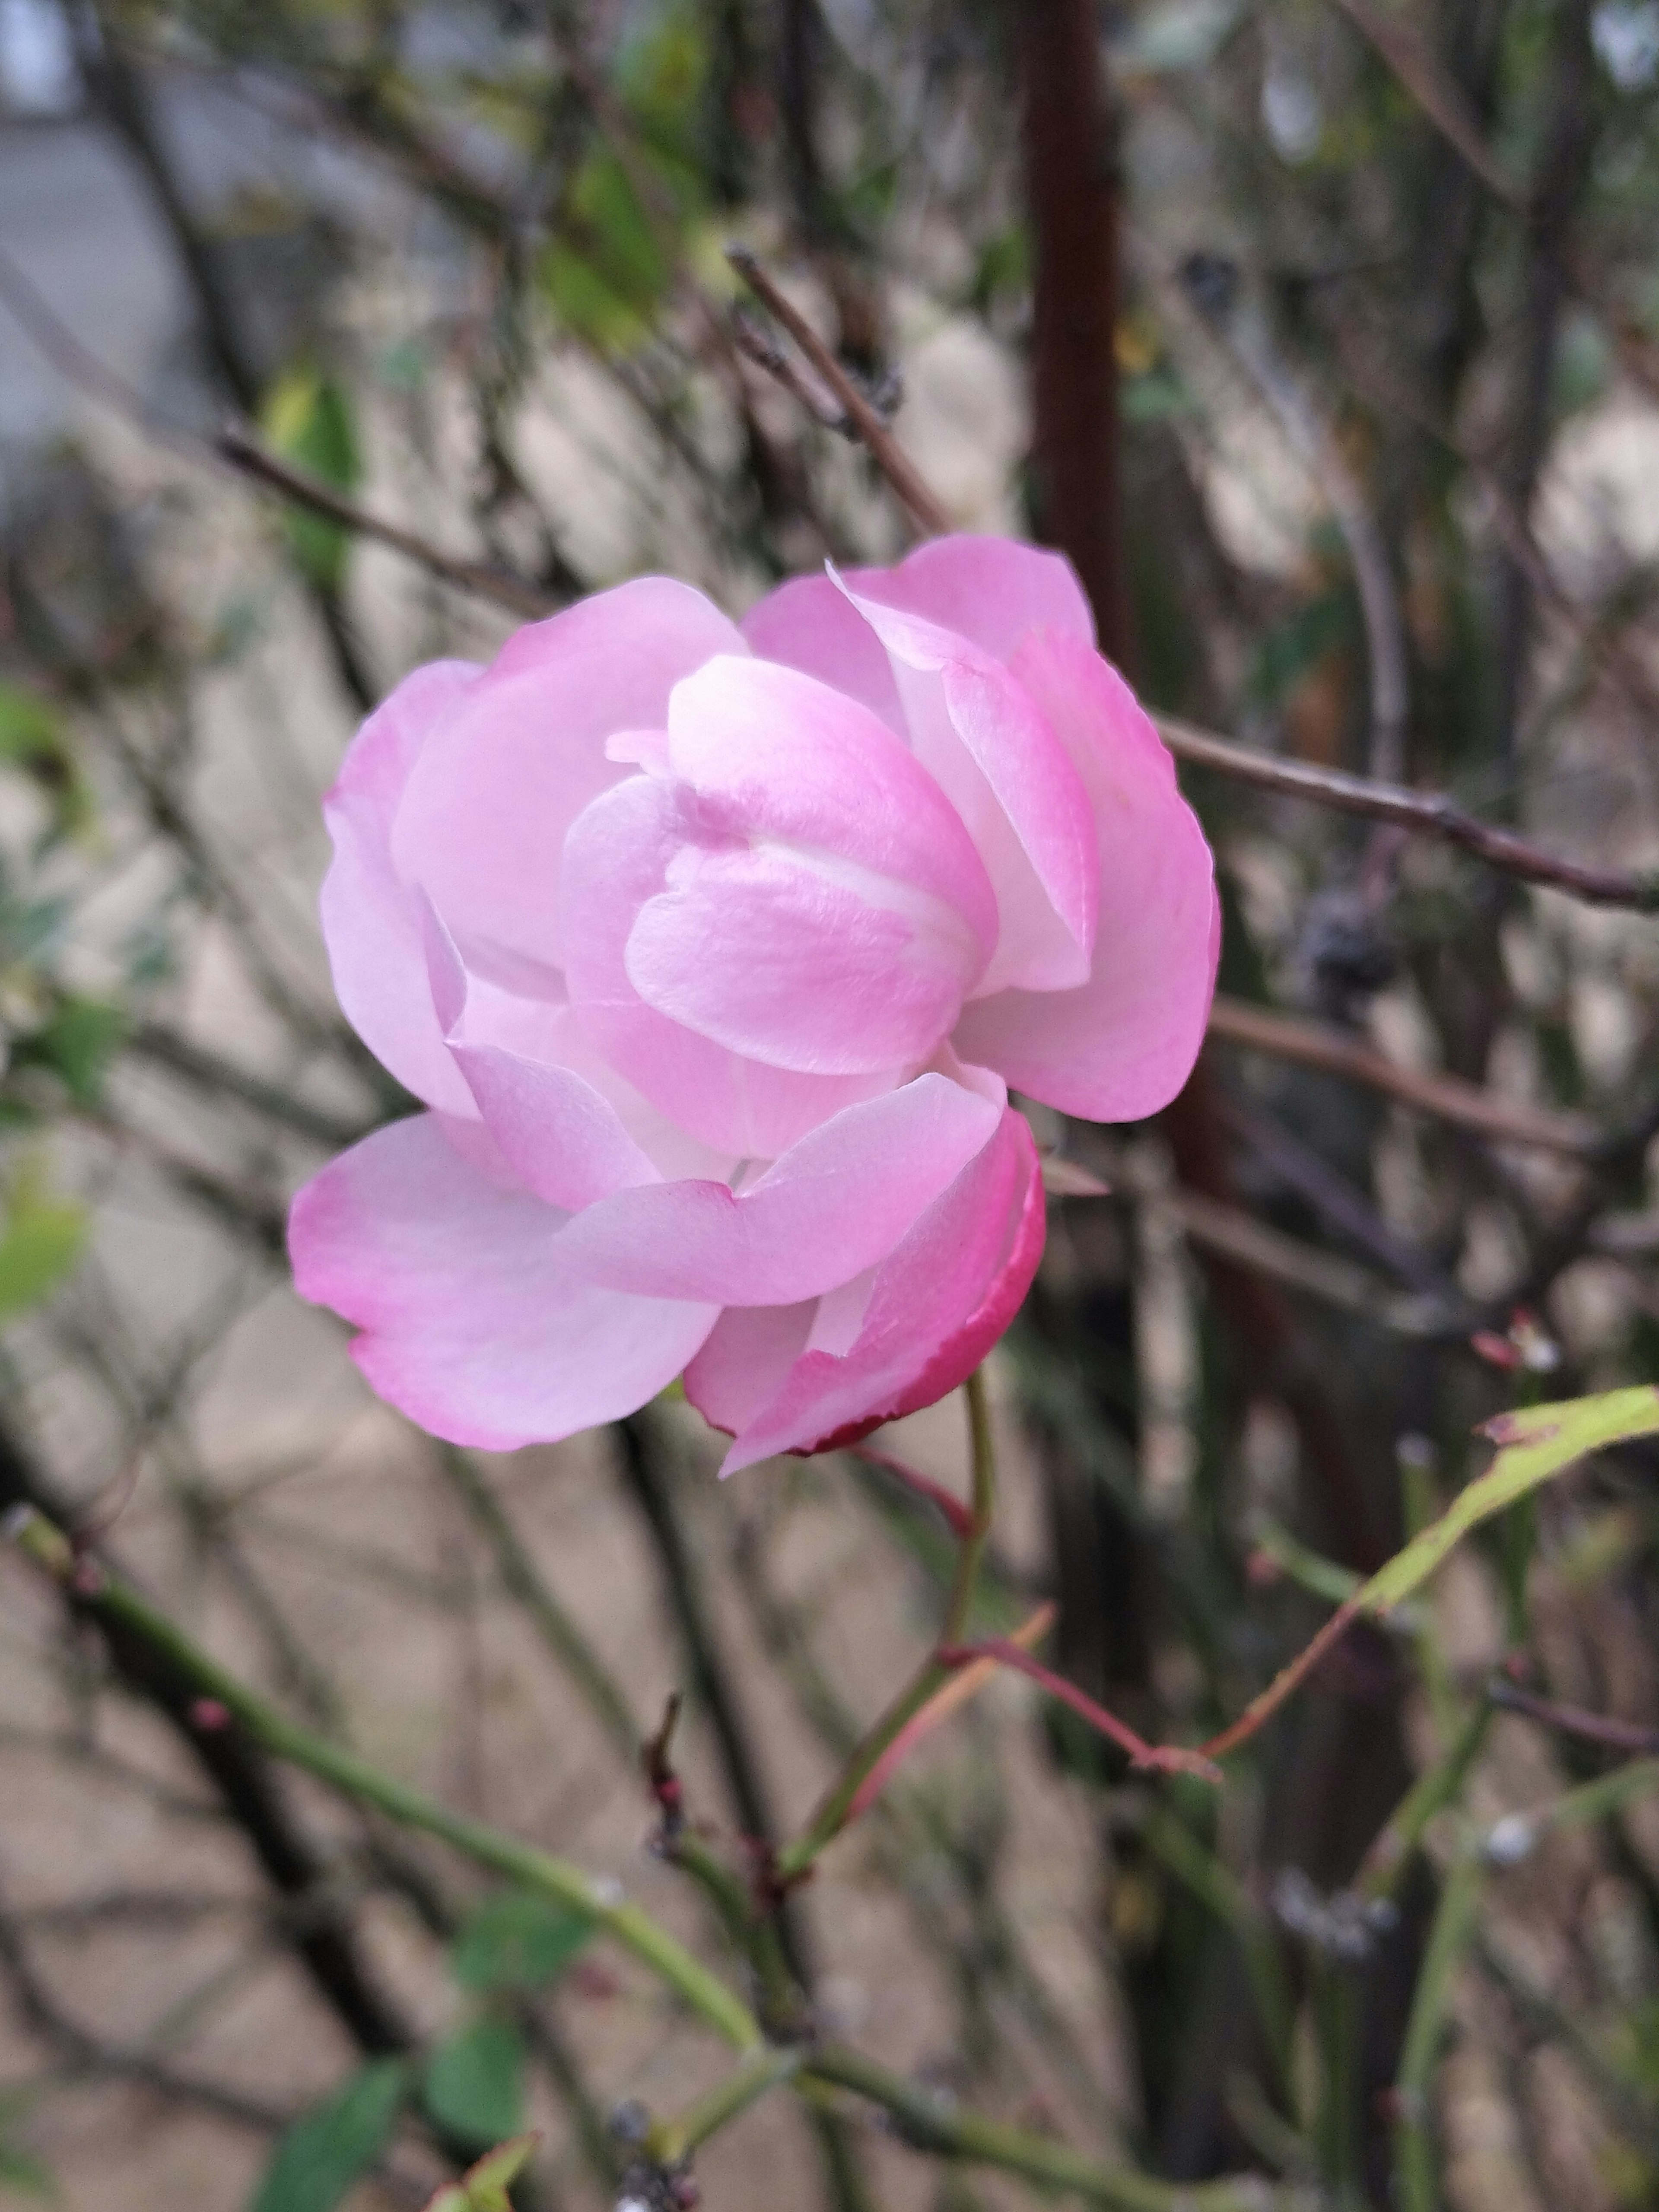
(1426, 813)
(239, 450)
(883, 448)
(1448, 1097)
(755, 344)
(248, 458)
(1573, 1720)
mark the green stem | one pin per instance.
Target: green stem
(927, 2121)
(524, 1581)
(1390, 1853)
(1220, 1891)
(933, 2122)
(101, 1595)
(831, 1817)
(1454, 1925)
(671, 2140)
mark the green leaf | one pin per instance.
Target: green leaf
(33, 739)
(307, 419)
(1537, 1444)
(474, 2085)
(606, 272)
(484, 2187)
(77, 1043)
(328, 2149)
(41, 1242)
(517, 1941)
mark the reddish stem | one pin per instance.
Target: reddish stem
(1163, 1759)
(957, 1515)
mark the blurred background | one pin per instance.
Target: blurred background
(1323, 335)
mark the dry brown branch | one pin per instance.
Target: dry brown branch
(883, 448)
(248, 458)
(1425, 813)
(1448, 1097)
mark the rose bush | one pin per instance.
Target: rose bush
(713, 950)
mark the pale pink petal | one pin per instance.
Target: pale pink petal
(616, 858)
(745, 1360)
(989, 590)
(776, 960)
(979, 733)
(808, 623)
(935, 1307)
(472, 1324)
(489, 800)
(505, 1042)
(777, 756)
(1121, 1046)
(372, 921)
(564, 1141)
(835, 1204)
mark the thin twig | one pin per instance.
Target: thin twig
(244, 453)
(883, 448)
(755, 344)
(1448, 1097)
(1425, 813)
(1574, 1720)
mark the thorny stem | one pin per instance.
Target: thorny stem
(931, 2122)
(920, 2115)
(796, 1859)
(114, 1600)
(671, 2141)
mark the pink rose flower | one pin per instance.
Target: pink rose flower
(713, 950)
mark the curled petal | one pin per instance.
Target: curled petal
(981, 735)
(472, 1322)
(776, 756)
(1121, 1046)
(835, 1204)
(373, 922)
(490, 801)
(990, 590)
(616, 858)
(913, 1329)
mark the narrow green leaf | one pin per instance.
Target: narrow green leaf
(517, 1941)
(1536, 1444)
(333, 2146)
(474, 2085)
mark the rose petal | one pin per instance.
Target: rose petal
(564, 1142)
(811, 624)
(616, 858)
(472, 1323)
(745, 1360)
(979, 733)
(936, 1305)
(1121, 1046)
(490, 801)
(777, 959)
(372, 920)
(835, 1204)
(989, 590)
(776, 756)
